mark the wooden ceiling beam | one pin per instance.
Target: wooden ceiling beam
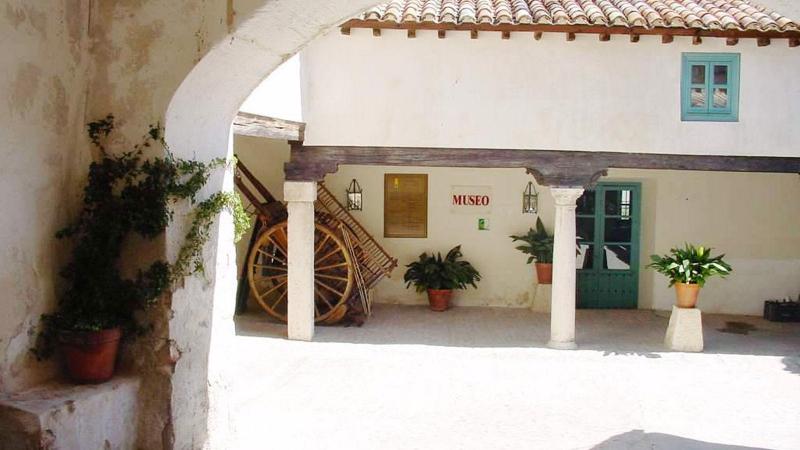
(412, 33)
(506, 35)
(731, 41)
(247, 124)
(550, 167)
(570, 37)
(763, 41)
(667, 38)
(634, 38)
(697, 40)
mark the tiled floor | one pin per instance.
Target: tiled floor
(482, 378)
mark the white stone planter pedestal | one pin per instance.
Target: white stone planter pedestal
(685, 330)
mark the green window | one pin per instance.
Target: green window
(710, 87)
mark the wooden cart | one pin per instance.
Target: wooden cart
(348, 262)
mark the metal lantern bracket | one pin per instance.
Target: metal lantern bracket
(354, 196)
(530, 199)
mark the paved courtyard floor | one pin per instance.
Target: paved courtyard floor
(482, 378)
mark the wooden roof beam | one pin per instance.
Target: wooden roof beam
(604, 37)
(570, 37)
(247, 124)
(794, 42)
(763, 41)
(537, 35)
(634, 37)
(667, 38)
(732, 41)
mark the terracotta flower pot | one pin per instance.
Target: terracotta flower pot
(686, 295)
(439, 299)
(90, 356)
(544, 273)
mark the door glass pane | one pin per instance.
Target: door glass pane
(720, 98)
(699, 74)
(617, 257)
(585, 228)
(720, 74)
(618, 230)
(585, 256)
(698, 99)
(586, 203)
(618, 203)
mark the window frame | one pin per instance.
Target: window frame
(708, 113)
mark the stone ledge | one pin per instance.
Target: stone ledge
(63, 416)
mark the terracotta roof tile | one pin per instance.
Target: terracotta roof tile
(696, 14)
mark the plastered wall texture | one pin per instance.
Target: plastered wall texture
(549, 94)
(132, 58)
(43, 69)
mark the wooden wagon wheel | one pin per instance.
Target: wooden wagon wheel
(333, 272)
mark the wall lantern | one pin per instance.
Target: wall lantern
(530, 199)
(354, 196)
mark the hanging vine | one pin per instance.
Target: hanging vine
(129, 194)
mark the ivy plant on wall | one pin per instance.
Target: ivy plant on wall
(129, 194)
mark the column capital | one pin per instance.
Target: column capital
(566, 196)
(300, 191)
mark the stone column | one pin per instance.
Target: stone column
(300, 197)
(562, 312)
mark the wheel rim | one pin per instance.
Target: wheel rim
(268, 273)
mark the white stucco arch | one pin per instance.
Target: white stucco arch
(198, 122)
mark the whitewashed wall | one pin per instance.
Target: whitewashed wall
(547, 94)
(42, 86)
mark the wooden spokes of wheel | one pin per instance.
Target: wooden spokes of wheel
(268, 272)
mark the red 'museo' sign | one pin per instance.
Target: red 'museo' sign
(470, 200)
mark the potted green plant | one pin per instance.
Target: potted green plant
(126, 194)
(538, 244)
(439, 276)
(687, 269)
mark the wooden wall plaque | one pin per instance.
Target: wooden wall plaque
(405, 205)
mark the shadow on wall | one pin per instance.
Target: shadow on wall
(792, 364)
(639, 440)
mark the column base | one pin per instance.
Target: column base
(685, 330)
(306, 335)
(557, 345)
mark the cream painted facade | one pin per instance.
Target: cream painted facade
(752, 218)
(548, 94)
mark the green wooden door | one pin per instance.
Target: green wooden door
(607, 224)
